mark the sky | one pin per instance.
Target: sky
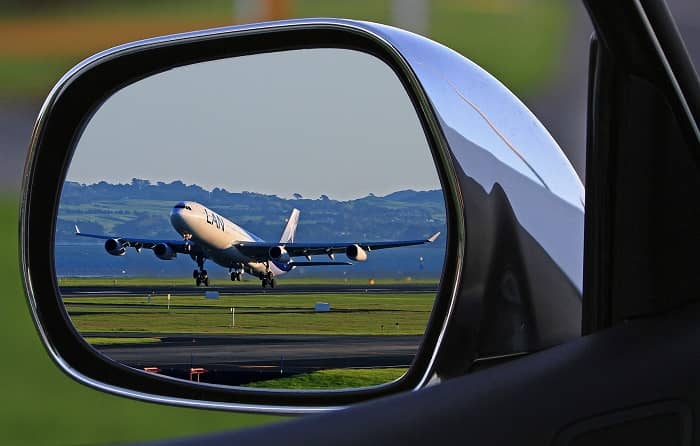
(315, 121)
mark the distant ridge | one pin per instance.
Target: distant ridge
(142, 209)
(141, 188)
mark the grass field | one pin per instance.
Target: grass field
(187, 281)
(518, 41)
(43, 406)
(333, 379)
(366, 314)
(96, 340)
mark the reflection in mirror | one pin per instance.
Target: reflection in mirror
(264, 221)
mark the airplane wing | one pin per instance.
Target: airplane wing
(179, 246)
(260, 251)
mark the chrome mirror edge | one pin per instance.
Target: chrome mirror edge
(44, 114)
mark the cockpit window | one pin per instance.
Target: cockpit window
(182, 206)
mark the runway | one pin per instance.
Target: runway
(242, 289)
(238, 359)
(241, 359)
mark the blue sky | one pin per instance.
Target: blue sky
(317, 121)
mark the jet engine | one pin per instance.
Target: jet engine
(115, 247)
(279, 254)
(164, 252)
(356, 253)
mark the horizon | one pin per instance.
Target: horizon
(157, 183)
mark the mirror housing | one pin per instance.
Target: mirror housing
(513, 271)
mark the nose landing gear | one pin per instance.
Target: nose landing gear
(200, 275)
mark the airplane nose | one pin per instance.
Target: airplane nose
(178, 219)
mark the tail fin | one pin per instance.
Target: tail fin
(291, 227)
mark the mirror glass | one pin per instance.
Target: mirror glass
(267, 221)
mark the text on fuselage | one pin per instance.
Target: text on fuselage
(214, 220)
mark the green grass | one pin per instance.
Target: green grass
(129, 8)
(95, 340)
(334, 379)
(351, 314)
(371, 10)
(187, 281)
(518, 41)
(41, 405)
(27, 76)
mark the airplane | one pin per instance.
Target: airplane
(207, 235)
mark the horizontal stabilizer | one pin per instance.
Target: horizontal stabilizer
(433, 237)
(318, 263)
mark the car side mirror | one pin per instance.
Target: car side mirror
(476, 191)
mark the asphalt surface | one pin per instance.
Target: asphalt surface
(239, 289)
(241, 359)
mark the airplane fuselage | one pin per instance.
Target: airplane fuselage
(207, 235)
(217, 236)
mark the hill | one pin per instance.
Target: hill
(141, 209)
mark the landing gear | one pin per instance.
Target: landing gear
(268, 279)
(236, 272)
(200, 275)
